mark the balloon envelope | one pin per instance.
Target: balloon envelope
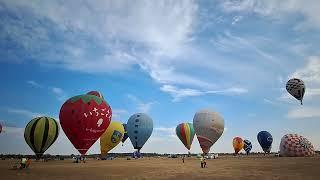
(208, 126)
(265, 140)
(247, 146)
(237, 144)
(125, 136)
(84, 119)
(139, 128)
(40, 133)
(95, 93)
(111, 137)
(296, 145)
(0, 128)
(296, 88)
(185, 133)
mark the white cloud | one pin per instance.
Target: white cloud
(304, 112)
(143, 107)
(24, 112)
(59, 93)
(179, 93)
(34, 84)
(278, 10)
(116, 113)
(310, 73)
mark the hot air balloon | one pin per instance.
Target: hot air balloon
(247, 146)
(185, 133)
(111, 137)
(125, 136)
(84, 119)
(209, 127)
(265, 140)
(296, 88)
(237, 144)
(40, 133)
(95, 93)
(295, 145)
(0, 128)
(139, 128)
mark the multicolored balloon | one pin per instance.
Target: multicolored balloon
(84, 119)
(125, 136)
(265, 140)
(95, 93)
(139, 128)
(237, 144)
(185, 133)
(247, 146)
(296, 88)
(111, 137)
(40, 133)
(296, 145)
(209, 126)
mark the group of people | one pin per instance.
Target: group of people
(203, 162)
(22, 163)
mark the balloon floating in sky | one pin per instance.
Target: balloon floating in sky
(208, 126)
(84, 119)
(125, 136)
(237, 144)
(139, 128)
(265, 140)
(185, 133)
(111, 137)
(95, 93)
(296, 145)
(296, 88)
(40, 133)
(247, 146)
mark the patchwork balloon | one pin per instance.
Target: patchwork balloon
(247, 146)
(237, 144)
(84, 119)
(111, 137)
(265, 140)
(296, 88)
(40, 133)
(139, 128)
(296, 145)
(185, 133)
(208, 126)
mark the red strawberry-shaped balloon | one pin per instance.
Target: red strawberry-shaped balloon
(84, 119)
(96, 93)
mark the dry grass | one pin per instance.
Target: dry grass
(163, 168)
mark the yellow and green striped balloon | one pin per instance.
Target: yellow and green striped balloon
(185, 133)
(40, 133)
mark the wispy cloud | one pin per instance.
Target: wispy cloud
(34, 84)
(141, 106)
(304, 112)
(59, 93)
(24, 112)
(179, 93)
(116, 113)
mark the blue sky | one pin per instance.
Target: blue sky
(166, 58)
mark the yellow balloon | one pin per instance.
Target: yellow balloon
(111, 137)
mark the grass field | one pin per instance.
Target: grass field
(243, 167)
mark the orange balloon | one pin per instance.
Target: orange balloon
(237, 144)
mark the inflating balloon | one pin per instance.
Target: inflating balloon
(40, 133)
(296, 88)
(247, 146)
(84, 119)
(237, 144)
(265, 140)
(139, 128)
(111, 137)
(295, 145)
(95, 93)
(185, 133)
(208, 126)
(125, 136)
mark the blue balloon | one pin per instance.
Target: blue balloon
(247, 146)
(265, 140)
(139, 129)
(125, 136)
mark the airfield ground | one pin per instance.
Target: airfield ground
(243, 167)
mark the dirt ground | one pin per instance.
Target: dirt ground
(164, 168)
